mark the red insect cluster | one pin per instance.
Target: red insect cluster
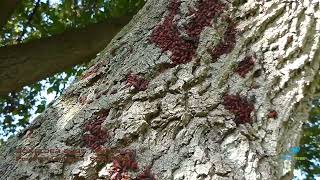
(124, 161)
(167, 37)
(227, 43)
(137, 82)
(245, 66)
(95, 136)
(240, 107)
(207, 10)
(273, 114)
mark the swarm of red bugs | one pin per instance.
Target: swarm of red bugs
(146, 175)
(95, 136)
(138, 82)
(124, 161)
(245, 66)
(240, 107)
(273, 114)
(167, 37)
(207, 10)
(227, 43)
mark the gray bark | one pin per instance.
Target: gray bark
(180, 126)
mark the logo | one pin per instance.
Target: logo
(291, 155)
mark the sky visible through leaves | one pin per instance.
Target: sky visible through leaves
(52, 17)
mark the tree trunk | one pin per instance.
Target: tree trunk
(187, 90)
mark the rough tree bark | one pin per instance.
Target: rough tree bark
(187, 90)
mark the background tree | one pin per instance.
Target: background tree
(310, 144)
(224, 47)
(77, 31)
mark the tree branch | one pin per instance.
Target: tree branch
(6, 9)
(24, 64)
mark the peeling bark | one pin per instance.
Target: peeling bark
(179, 126)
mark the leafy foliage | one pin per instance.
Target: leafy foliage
(19, 107)
(310, 144)
(34, 19)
